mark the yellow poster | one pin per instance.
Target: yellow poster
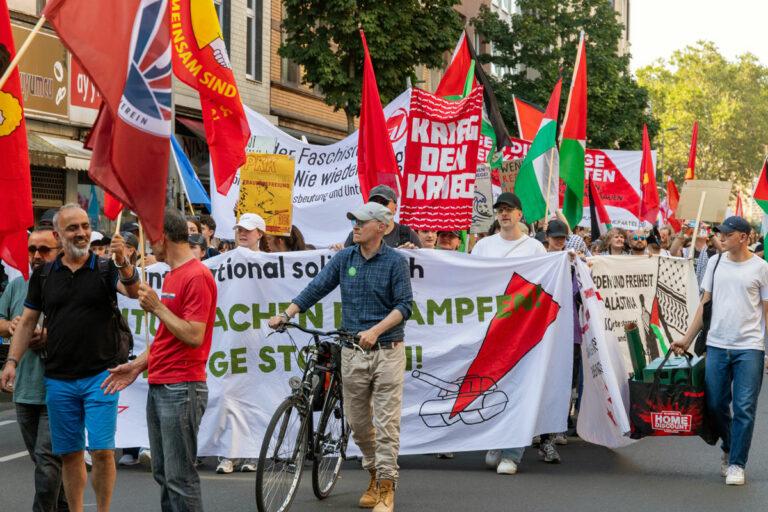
(266, 188)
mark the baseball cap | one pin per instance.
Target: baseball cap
(131, 227)
(557, 228)
(454, 233)
(371, 211)
(734, 223)
(197, 239)
(46, 220)
(383, 191)
(251, 221)
(98, 238)
(509, 199)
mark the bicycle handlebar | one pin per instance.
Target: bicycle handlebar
(340, 334)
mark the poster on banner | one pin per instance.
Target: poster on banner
(475, 350)
(616, 175)
(604, 409)
(656, 290)
(482, 207)
(508, 174)
(441, 161)
(266, 188)
(325, 185)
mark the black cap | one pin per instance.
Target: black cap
(557, 228)
(454, 233)
(197, 239)
(509, 199)
(131, 227)
(732, 224)
(46, 220)
(383, 191)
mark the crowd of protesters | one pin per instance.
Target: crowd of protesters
(64, 376)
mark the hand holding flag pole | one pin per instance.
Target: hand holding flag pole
(22, 50)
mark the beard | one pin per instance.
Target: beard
(73, 250)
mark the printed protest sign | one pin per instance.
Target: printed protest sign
(647, 291)
(266, 188)
(441, 161)
(482, 208)
(718, 194)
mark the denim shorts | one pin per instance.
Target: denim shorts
(75, 406)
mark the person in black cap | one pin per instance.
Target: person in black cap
(736, 283)
(448, 240)
(46, 220)
(557, 233)
(509, 242)
(198, 245)
(396, 235)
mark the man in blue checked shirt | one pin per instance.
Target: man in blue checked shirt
(376, 301)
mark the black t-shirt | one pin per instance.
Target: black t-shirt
(78, 310)
(399, 235)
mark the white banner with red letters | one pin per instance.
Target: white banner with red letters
(488, 357)
(438, 178)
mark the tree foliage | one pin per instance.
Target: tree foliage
(322, 36)
(730, 101)
(542, 40)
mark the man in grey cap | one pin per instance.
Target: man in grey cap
(736, 283)
(372, 378)
(396, 235)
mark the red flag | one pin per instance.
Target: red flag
(739, 210)
(112, 206)
(125, 47)
(15, 182)
(649, 204)
(200, 60)
(673, 197)
(455, 77)
(690, 172)
(528, 117)
(376, 162)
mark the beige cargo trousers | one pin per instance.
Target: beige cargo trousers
(373, 395)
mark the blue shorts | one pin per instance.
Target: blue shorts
(78, 405)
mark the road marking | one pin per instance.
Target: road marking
(14, 456)
(7, 422)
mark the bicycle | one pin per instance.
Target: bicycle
(287, 440)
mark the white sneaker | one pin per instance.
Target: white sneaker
(561, 439)
(225, 467)
(724, 465)
(248, 467)
(127, 460)
(735, 476)
(493, 458)
(145, 456)
(444, 455)
(506, 467)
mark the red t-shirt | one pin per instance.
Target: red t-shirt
(189, 291)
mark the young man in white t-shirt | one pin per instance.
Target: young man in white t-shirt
(509, 242)
(736, 281)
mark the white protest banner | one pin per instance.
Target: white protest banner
(441, 161)
(488, 357)
(657, 290)
(325, 185)
(604, 412)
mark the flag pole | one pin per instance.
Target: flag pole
(549, 186)
(143, 277)
(696, 225)
(22, 50)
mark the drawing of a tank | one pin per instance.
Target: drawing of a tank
(437, 413)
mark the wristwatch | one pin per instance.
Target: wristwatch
(286, 316)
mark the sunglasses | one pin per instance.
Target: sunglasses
(44, 250)
(639, 237)
(358, 222)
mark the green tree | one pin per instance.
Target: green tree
(322, 36)
(542, 40)
(729, 99)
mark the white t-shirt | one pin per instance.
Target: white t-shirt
(737, 307)
(496, 247)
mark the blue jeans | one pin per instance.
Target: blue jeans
(174, 412)
(742, 371)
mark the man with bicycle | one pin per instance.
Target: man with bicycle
(376, 301)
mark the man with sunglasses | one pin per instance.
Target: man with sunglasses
(29, 389)
(736, 281)
(396, 235)
(638, 242)
(376, 301)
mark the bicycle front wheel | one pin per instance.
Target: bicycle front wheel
(330, 444)
(283, 450)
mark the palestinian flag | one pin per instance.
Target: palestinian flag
(573, 141)
(528, 116)
(598, 215)
(453, 85)
(533, 178)
(760, 195)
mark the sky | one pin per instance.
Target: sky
(659, 27)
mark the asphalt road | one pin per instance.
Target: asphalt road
(654, 474)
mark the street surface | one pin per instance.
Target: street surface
(673, 474)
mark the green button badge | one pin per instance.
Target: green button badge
(352, 271)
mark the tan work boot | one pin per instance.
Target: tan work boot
(370, 497)
(386, 496)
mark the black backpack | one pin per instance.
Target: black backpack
(118, 329)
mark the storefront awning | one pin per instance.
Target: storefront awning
(76, 157)
(43, 154)
(196, 126)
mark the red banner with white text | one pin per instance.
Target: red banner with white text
(441, 161)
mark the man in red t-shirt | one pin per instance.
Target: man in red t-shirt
(176, 361)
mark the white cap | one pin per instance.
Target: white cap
(251, 221)
(371, 211)
(96, 236)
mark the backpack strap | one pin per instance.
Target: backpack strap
(105, 274)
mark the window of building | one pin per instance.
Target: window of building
(290, 72)
(223, 10)
(253, 13)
